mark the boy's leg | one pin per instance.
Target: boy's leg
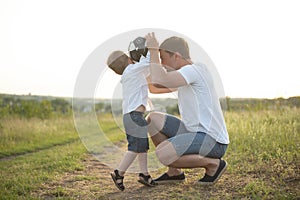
(126, 162)
(142, 158)
(136, 133)
(118, 174)
(144, 176)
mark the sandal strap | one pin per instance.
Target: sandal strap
(118, 176)
(118, 180)
(146, 178)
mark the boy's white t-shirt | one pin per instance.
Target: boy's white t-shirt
(134, 84)
(207, 116)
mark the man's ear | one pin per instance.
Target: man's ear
(177, 55)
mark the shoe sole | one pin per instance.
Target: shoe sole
(218, 177)
(115, 181)
(170, 181)
(146, 183)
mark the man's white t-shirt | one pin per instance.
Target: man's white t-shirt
(134, 85)
(199, 104)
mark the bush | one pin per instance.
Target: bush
(34, 107)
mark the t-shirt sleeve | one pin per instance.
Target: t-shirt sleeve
(145, 60)
(144, 63)
(146, 72)
(189, 74)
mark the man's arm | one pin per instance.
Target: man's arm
(158, 74)
(158, 89)
(166, 79)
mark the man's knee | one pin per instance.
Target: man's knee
(155, 122)
(166, 153)
(154, 116)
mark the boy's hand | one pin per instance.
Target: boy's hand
(152, 42)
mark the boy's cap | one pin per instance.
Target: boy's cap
(137, 48)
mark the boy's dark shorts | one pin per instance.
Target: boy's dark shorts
(136, 128)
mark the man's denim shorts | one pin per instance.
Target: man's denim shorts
(187, 142)
(136, 128)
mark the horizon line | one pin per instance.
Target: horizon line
(107, 98)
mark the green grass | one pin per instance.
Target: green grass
(263, 159)
(20, 135)
(112, 131)
(263, 136)
(23, 174)
(265, 148)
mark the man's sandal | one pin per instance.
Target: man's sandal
(118, 180)
(146, 180)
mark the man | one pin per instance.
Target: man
(200, 138)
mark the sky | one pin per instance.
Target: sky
(255, 45)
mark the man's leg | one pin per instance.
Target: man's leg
(214, 167)
(167, 155)
(197, 161)
(156, 122)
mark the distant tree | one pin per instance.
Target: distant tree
(60, 105)
(44, 110)
(99, 107)
(107, 108)
(294, 102)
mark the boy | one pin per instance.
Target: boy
(135, 96)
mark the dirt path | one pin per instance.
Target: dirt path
(94, 182)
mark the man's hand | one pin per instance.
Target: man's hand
(152, 45)
(152, 42)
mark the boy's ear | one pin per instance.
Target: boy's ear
(130, 60)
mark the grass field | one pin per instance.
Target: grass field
(45, 159)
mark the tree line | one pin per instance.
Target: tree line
(238, 104)
(29, 107)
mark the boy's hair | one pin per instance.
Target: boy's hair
(117, 61)
(176, 44)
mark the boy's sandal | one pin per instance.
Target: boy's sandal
(118, 180)
(146, 180)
